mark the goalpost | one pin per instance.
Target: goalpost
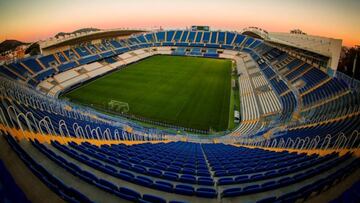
(118, 106)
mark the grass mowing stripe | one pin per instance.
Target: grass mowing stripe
(185, 91)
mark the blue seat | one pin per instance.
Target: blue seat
(154, 172)
(175, 169)
(144, 181)
(201, 172)
(164, 186)
(269, 185)
(290, 197)
(110, 169)
(189, 165)
(205, 181)
(220, 173)
(125, 176)
(184, 189)
(177, 163)
(124, 164)
(139, 169)
(226, 181)
(256, 177)
(160, 166)
(135, 160)
(189, 171)
(108, 185)
(147, 163)
(176, 201)
(188, 179)
(271, 174)
(300, 176)
(285, 181)
(252, 189)
(73, 193)
(242, 179)
(231, 192)
(130, 192)
(153, 199)
(234, 171)
(206, 192)
(170, 176)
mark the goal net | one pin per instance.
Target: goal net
(118, 106)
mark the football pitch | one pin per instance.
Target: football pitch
(189, 92)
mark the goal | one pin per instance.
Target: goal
(118, 106)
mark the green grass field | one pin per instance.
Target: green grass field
(184, 91)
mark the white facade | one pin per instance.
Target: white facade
(322, 45)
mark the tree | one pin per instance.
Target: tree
(33, 49)
(347, 61)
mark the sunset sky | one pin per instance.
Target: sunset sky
(31, 20)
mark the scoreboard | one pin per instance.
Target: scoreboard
(200, 28)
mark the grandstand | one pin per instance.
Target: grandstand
(297, 139)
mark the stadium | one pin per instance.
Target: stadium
(192, 114)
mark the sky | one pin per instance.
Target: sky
(32, 20)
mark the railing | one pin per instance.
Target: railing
(45, 126)
(335, 142)
(13, 94)
(354, 84)
(28, 97)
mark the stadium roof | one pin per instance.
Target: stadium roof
(328, 47)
